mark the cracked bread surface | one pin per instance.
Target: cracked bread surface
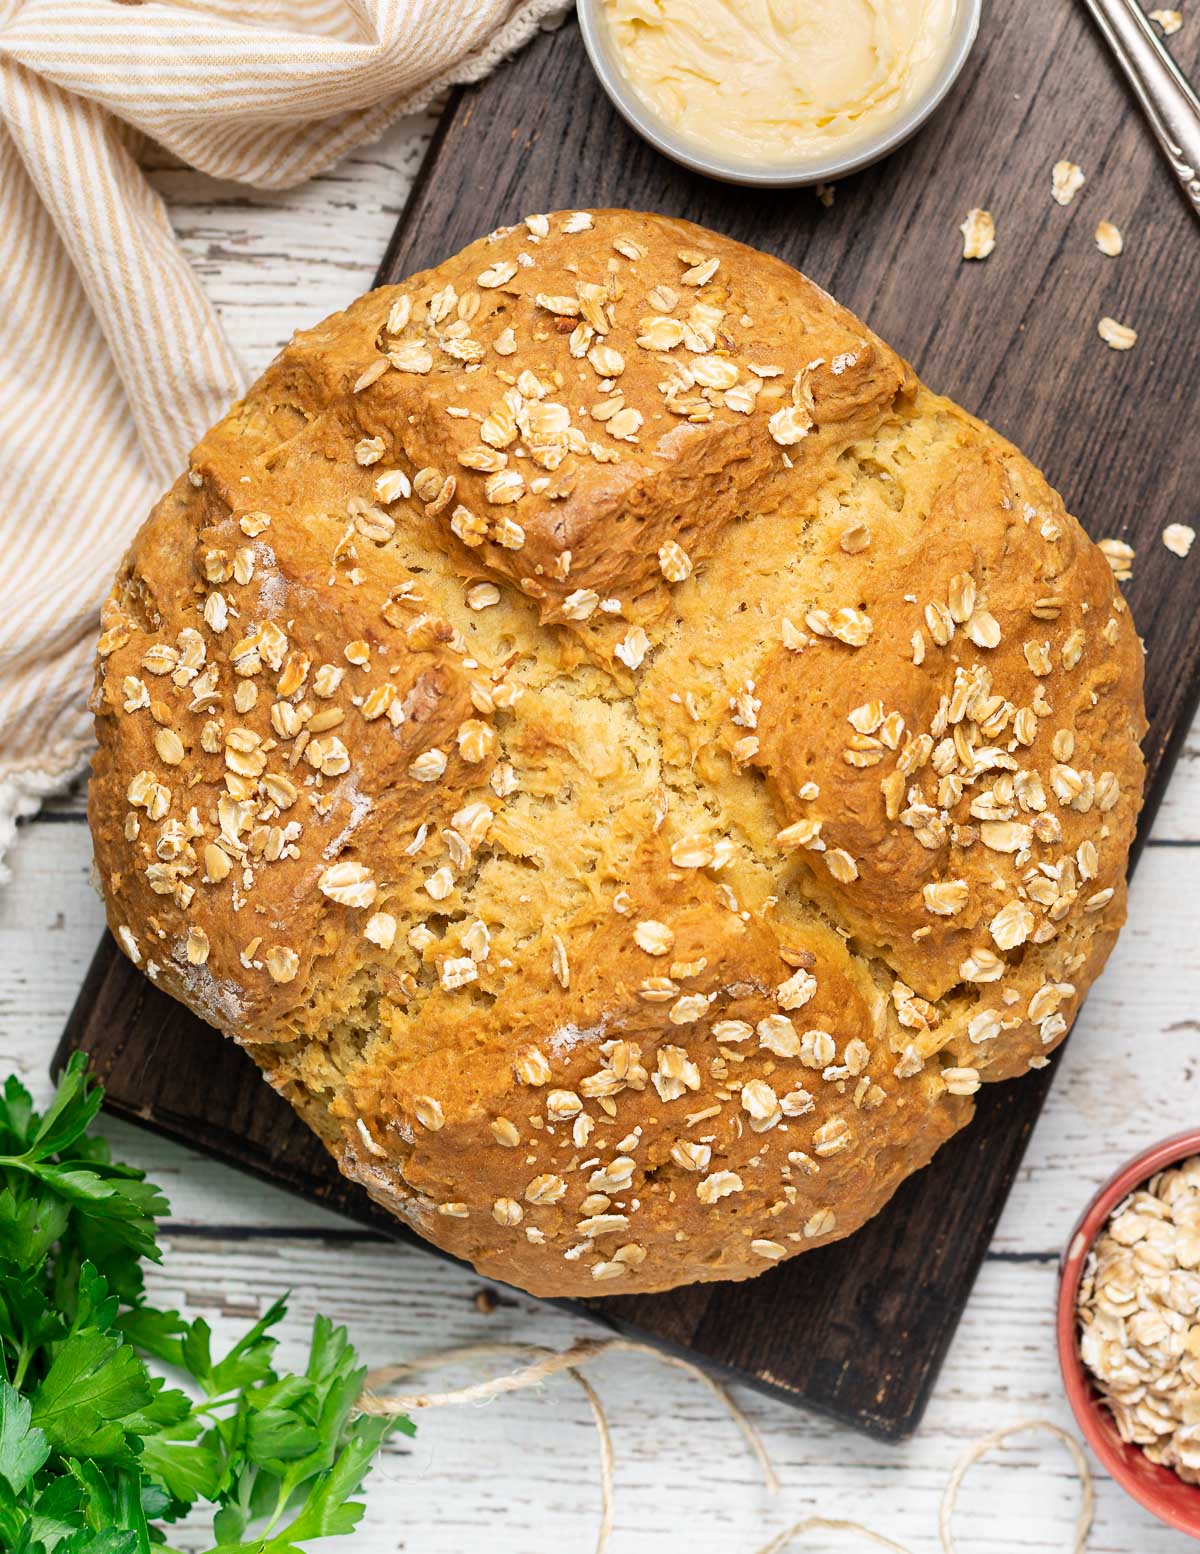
(625, 758)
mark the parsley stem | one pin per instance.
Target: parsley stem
(285, 1490)
(24, 1355)
(211, 1404)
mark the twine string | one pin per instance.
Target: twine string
(973, 1454)
(542, 1364)
(789, 1535)
(608, 1499)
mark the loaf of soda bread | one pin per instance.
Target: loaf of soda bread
(625, 758)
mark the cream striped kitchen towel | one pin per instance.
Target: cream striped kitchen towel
(112, 361)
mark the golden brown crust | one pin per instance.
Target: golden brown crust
(625, 758)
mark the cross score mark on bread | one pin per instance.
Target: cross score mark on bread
(624, 757)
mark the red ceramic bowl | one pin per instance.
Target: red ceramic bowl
(1157, 1489)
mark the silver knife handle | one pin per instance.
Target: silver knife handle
(1168, 101)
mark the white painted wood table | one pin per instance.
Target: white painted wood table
(519, 1476)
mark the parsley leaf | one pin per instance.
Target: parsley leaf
(56, 1168)
(73, 1110)
(94, 1382)
(23, 1447)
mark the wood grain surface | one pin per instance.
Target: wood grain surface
(859, 1329)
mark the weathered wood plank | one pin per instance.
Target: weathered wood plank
(539, 1488)
(1013, 338)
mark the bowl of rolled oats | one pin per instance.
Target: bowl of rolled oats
(1129, 1328)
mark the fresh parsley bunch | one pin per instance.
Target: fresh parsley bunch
(97, 1454)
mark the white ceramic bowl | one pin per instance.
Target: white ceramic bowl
(598, 42)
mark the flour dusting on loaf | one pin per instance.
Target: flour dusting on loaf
(625, 758)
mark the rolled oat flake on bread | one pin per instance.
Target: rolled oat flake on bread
(625, 758)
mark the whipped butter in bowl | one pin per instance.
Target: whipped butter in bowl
(777, 91)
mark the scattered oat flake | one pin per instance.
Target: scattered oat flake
(559, 963)
(1169, 21)
(349, 884)
(653, 937)
(632, 649)
(282, 963)
(1108, 239)
(1066, 180)
(381, 930)
(1119, 556)
(1179, 538)
(1118, 337)
(196, 947)
(825, 193)
(979, 234)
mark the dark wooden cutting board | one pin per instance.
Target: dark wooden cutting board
(858, 1329)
